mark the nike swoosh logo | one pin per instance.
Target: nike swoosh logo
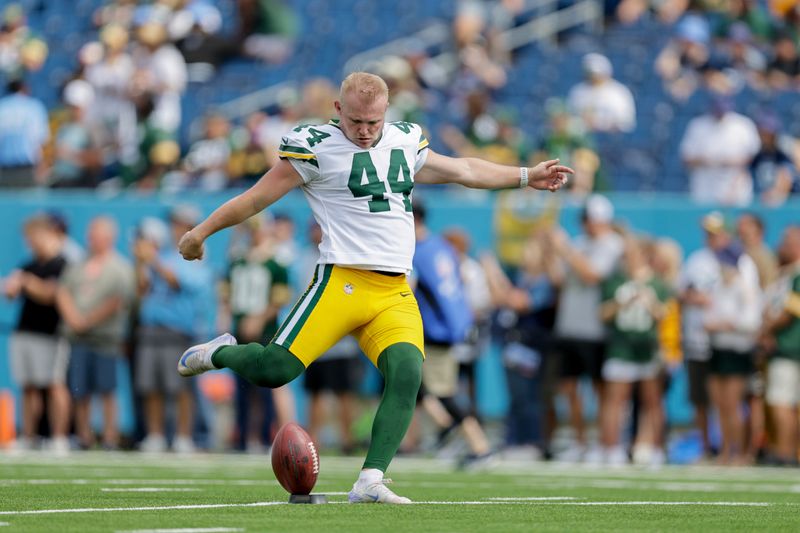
(404, 294)
(186, 356)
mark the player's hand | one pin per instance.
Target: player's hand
(549, 175)
(191, 247)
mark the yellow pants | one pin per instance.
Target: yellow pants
(378, 310)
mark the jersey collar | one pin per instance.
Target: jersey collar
(335, 123)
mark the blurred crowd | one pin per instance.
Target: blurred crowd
(120, 120)
(608, 306)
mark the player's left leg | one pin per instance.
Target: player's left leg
(401, 367)
(393, 342)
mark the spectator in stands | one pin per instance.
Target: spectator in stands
(406, 96)
(285, 244)
(589, 260)
(269, 29)
(784, 69)
(115, 12)
(473, 276)
(566, 140)
(602, 102)
(527, 313)
(682, 62)
(741, 60)
(206, 164)
(630, 11)
(249, 158)
(20, 49)
(782, 329)
(718, 148)
(161, 71)
(700, 274)
(78, 159)
(480, 58)
(732, 321)
(336, 372)
(171, 291)
(113, 112)
(24, 130)
(94, 298)
(255, 292)
(148, 166)
(447, 319)
(750, 231)
(748, 13)
(774, 173)
(489, 132)
(633, 305)
(38, 357)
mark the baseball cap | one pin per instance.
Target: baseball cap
(714, 222)
(154, 230)
(693, 28)
(597, 64)
(599, 209)
(78, 93)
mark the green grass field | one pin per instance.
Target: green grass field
(217, 493)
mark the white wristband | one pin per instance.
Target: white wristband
(523, 177)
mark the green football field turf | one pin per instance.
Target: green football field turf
(218, 493)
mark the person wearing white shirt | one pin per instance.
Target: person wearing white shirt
(602, 102)
(732, 321)
(113, 111)
(161, 70)
(700, 274)
(717, 148)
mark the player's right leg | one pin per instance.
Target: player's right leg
(318, 320)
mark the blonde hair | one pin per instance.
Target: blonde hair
(367, 87)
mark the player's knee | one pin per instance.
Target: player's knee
(278, 367)
(401, 365)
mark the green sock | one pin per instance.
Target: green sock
(401, 366)
(266, 366)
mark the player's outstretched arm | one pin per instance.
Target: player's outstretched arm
(278, 181)
(479, 174)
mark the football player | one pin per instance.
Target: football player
(357, 173)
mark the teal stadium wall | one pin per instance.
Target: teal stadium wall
(658, 215)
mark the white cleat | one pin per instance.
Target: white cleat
(375, 493)
(197, 359)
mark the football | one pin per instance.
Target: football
(295, 460)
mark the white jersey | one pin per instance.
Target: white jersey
(361, 198)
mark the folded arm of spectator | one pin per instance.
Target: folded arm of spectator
(12, 285)
(69, 311)
(103, 312)
(37, 289)
(559, 241)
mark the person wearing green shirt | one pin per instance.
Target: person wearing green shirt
(256, 289)
(633, 303)
(781, 329)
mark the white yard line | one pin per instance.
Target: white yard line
(534, 499)
(149, 489)
(716, 504)
(3, 524)
(103, 481)
(184, 530)
(152, 508)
